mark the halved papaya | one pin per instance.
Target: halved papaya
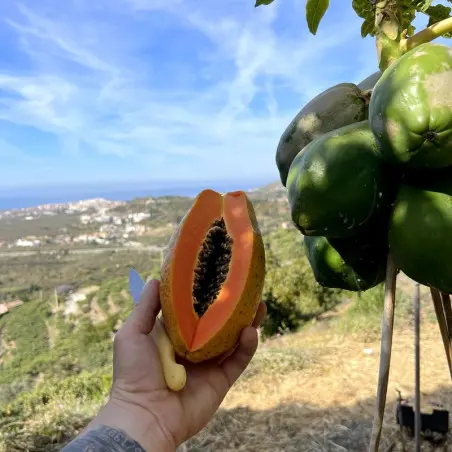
(212, 276)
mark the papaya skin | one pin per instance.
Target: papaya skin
(355, 264)
(420, 228)
(338, 106)
(245, 308)
(369, 82)
(410, 111)
(338, 185)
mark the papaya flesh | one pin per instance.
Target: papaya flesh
(420, 232)
(410, 111)
(338, 106)
(338, 184)
(351, 264)
(212, 275)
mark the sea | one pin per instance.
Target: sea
(19, 198)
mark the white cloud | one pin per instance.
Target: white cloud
(92, 84)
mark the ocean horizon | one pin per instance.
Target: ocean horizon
(20, 198)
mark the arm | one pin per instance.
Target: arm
(104, 439)
(121, 428)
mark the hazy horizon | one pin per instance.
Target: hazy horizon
(32, 196)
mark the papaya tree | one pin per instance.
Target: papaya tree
(368, 170)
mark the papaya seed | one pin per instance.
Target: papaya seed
(213, 266)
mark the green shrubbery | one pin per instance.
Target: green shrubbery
(291, 293)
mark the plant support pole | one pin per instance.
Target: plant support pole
(417, 371)
(442, 323)
(385, 353)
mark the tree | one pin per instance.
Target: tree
(404, 77)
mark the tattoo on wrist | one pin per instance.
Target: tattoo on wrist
(104, 439)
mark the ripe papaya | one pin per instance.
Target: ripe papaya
(212, 276)
(369, 82)
(420, 228)
(338, 184)
(355, 264)
(410, 112)
(335, 107)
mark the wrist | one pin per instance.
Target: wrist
(136, 422)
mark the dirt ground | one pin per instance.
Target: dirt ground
(315, 391)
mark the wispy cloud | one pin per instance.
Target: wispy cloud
(183, 88)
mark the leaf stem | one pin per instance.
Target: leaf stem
(427, 35)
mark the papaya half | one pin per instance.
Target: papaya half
(338, 184)
(420, 227)
(410, 112)
(355, 264)
(212, 276)
(335, 107)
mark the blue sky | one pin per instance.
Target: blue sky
(95, 91)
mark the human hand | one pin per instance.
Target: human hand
(140, 402)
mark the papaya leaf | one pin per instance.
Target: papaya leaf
(368, 27)
(407, 13)
(436, 14)
(422, 5)
(364, 9)
(315, 10)
(263, 2)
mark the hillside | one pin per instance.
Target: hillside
(56, 343)
(308, 391)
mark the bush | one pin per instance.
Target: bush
(291, 293)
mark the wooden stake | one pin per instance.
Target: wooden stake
(385, 353)
(443, 324)
(417, 373)
(447, 305)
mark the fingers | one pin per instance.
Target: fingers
(234, 365)
(142, 318)
(260, 314)
(258, 318)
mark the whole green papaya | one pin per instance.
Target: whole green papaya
(335, 107)
(420, 232)
(350, 264)
(339, 183)
(369, 82)
(410, 112)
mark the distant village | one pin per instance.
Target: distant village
(101, 222)
(108, 228)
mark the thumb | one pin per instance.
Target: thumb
(142, 318)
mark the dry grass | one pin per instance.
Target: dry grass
(326, 401)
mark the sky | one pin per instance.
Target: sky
(114, 91)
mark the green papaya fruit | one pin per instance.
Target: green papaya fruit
(369, 82)
(350, 264)
(335, 107)
(339, 183)
(420, 232)
(410, 112)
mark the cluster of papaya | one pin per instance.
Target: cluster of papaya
(368, 169)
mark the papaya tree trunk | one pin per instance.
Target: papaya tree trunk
(388, 33)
